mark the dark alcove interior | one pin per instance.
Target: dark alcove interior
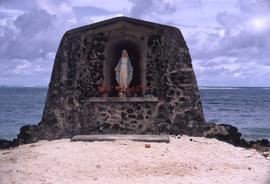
(134, 56)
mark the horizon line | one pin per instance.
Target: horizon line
(199, 86)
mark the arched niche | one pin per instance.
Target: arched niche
(113, 54)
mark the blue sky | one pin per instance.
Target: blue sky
(229, 40)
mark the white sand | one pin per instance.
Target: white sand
(203, 161)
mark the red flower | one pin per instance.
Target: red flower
(104, 89)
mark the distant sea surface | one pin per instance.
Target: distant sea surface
(246, 108)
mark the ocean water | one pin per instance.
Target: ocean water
(20, 106)
(246, 108)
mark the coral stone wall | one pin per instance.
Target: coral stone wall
(132, 115)
(86, 59)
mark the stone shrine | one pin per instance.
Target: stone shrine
(83, 95)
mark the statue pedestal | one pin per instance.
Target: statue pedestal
(122, 93)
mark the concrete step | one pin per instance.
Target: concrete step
(113, 137)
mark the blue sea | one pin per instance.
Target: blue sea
(246, 108)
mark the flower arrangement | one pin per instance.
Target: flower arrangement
(103, 89)
(130, 91)
(134, 90)
(138, 88)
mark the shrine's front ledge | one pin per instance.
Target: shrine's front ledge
(122, 99)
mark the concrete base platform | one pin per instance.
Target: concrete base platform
(133, 137)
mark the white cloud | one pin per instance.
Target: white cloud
(60, 9)
(109, 5)
(22, 67)
(259, 24)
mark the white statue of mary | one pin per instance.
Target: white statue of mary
(124, 71)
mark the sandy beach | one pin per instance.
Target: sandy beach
(183, 160)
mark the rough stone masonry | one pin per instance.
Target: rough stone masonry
(86, 59)
(169, 102)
